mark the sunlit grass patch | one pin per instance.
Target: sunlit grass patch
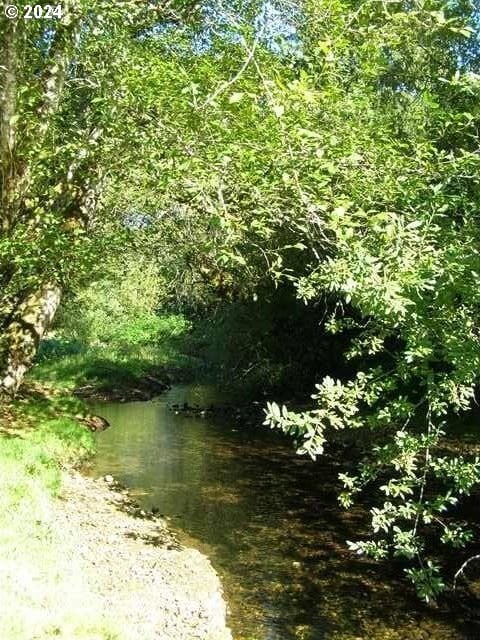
(119, 356)
(42, 592)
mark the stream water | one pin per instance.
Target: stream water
(268, 520)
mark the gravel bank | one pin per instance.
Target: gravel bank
(153, 588)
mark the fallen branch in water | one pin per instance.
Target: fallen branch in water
(462, 569)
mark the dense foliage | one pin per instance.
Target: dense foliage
(398, 215)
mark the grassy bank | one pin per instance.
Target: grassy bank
(135, 357)
(46, 599)
(246, 344)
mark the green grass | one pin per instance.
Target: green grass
(121, 360)
(46, 596)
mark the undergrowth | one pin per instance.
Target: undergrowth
(117, 360)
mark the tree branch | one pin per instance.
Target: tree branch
(462, 569)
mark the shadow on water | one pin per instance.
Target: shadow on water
(269, 521)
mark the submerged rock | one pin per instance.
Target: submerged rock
(93, 422)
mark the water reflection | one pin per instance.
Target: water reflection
(269, 521)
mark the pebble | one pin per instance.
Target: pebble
(153, 588)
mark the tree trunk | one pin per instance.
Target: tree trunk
(22, 336)
(8, 106)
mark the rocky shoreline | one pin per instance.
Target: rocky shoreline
(140, 575)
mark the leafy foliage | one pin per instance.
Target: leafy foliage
(401, 234)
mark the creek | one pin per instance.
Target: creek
(267, 518)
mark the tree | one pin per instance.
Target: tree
(394, 197)
(89, 102)
(65, 121)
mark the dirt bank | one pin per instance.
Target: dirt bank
(126, 388)
(140, 576)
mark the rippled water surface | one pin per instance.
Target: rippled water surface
(269, 521)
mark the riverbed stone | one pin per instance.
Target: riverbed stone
(154, 588)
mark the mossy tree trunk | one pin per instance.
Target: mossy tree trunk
(27, 312)
(22, 334)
